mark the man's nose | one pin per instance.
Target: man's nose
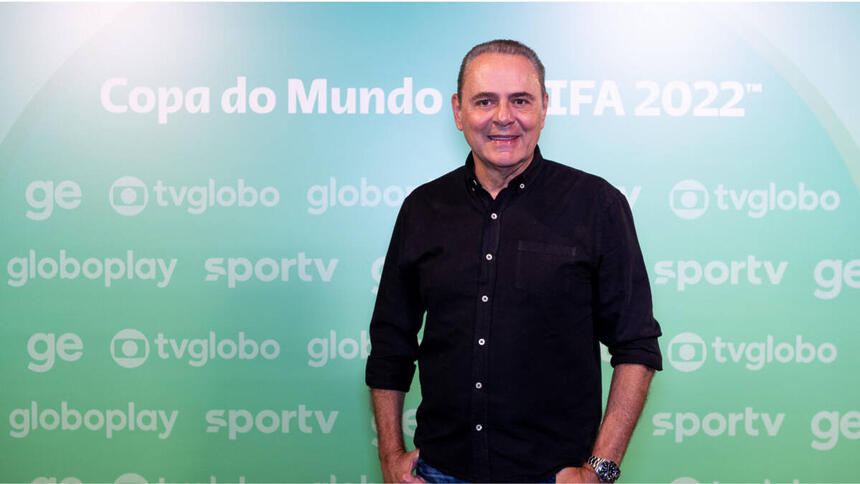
(503, 114)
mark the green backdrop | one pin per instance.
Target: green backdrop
(196, 199)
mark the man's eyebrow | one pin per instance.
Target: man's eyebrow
(522, 94)
(492, 95)
(485, 95)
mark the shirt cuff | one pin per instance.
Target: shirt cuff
(389, 374)
(644, 352)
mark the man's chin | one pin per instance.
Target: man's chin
(502, 159)
(507, 160)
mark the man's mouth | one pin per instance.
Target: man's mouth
(503, 138)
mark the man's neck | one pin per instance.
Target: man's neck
(494, 179)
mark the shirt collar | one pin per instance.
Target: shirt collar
(522, 180)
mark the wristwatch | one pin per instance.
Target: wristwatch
(607, 471)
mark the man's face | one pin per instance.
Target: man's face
(501, 111)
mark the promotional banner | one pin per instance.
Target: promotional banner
(196, 201)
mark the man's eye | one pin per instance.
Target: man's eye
(521, 102)
(483, 102)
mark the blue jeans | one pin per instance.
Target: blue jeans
(432, 474)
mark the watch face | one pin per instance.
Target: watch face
(607, 471)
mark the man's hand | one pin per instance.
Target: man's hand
(576, 474)
(626, 398)
(398, 466)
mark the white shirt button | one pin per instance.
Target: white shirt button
(485, 298)
(479, 427)
(478, 385)
(522, 185)
(489, 256)
(481, 341)
(494, 216)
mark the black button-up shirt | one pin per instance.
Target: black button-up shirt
(517, 290)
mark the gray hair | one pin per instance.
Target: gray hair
(501, 46)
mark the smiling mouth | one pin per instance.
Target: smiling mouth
(503, 138)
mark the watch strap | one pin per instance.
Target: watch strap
(606, 470)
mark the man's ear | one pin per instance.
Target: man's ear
(545, 107)
(455, 109)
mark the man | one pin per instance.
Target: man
(521, 265)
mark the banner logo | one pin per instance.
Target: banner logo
(689, 199)
(242, 421)
(830, 274)
(44, 348)
(715, 424)
(321, 350)
(241, 269)
(132, 418)
(687, 352)
(129, 348)
(128, 195)
(686, 273)
(41, 196)
(322, 197)
(828, 426)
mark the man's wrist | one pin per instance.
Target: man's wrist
(606, 470)
(589, 468)
(391, 453)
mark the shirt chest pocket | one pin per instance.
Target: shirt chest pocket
(551, 269)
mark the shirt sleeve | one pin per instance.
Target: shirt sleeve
(397, 315)
(624, 318)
